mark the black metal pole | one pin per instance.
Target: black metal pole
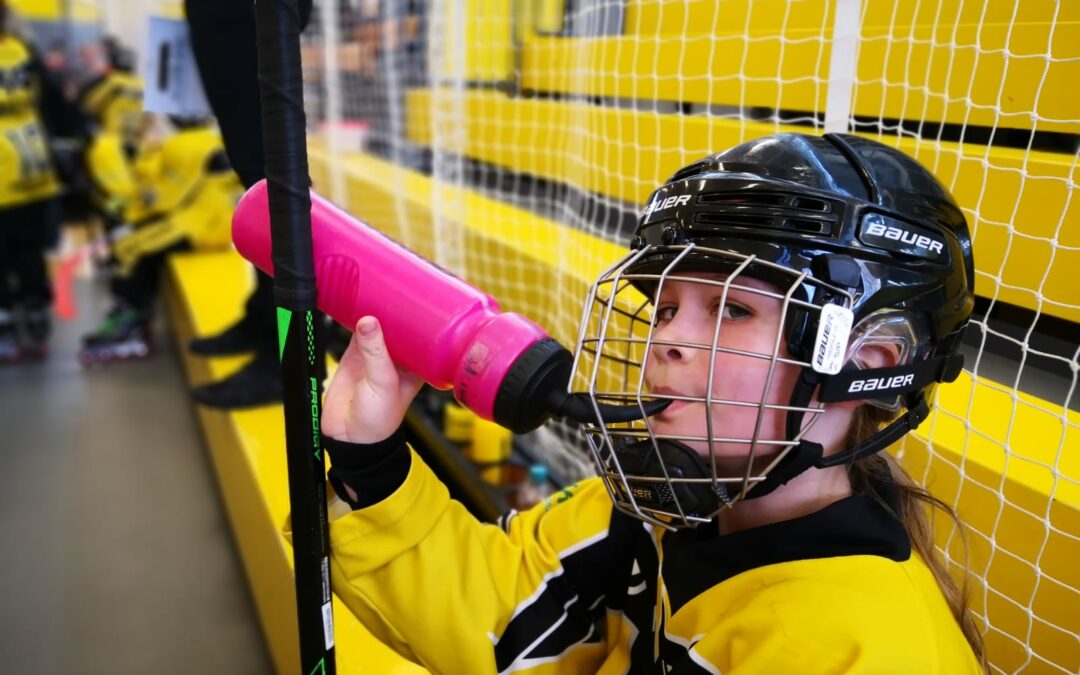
(284, 144)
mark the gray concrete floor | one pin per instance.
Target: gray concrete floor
(115, 552)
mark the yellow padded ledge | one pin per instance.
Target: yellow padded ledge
(205, 293)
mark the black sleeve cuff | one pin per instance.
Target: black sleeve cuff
(373, 471)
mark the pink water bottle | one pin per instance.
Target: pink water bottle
(500, 365)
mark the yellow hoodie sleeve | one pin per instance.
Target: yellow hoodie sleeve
(440, 588)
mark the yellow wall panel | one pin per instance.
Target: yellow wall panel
(84, 10)
(476, 40)
(171, 9)
(901, 13)
(720, 69)
(652, 17)
(961, 74)
(548, 15)
(649, 17)
(945, 61)
(38, 10)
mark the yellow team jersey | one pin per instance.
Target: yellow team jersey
(567, 588)
(189, 193)
(185, 162)
(115, 103)
(110, 172)
(27, 174)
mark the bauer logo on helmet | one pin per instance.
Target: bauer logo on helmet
(888, 233)
(881, 383)
(657, 204)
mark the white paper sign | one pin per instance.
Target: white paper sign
(172, 79)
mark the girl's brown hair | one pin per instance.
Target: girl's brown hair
(917, 508)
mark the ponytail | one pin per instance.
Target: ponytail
(917, 508)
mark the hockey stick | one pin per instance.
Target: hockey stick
(281, 89)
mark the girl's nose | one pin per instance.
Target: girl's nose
(675, 342)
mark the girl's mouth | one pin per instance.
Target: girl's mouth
(676, 404)
(668, 413)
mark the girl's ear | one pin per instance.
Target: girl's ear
(877, 355)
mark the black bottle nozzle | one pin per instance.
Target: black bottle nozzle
(579, 408)
(534, 389)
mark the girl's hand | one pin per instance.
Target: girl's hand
(368, 396)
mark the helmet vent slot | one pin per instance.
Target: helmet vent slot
(734, 219)
(812, 226)
(809, 204)
(766, 221)
(738, 199)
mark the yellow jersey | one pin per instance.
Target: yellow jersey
(188, 193)
(114, 102)
(569, 586)
(113, 105)
(27, 174)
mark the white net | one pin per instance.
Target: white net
(515, 142)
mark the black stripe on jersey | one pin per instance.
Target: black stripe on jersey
(567, 610)
(633, 543)
(683, 665)
(630, 577)
(569, 633)
(639, 606)
(505, 519)
(697, 560)
(675, 658)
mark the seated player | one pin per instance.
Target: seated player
(112, 107)
(187, 202)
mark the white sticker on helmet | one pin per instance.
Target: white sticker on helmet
(834, 329)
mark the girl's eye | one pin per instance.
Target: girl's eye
(664, 314)
(732, 311)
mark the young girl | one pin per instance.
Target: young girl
(795, 299)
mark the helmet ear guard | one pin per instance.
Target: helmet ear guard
(907, 382)
(877, 385)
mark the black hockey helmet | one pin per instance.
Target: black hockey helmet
(841, 208)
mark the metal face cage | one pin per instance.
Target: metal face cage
(654, 471)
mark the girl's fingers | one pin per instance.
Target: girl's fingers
(379, 370)
(350, 370)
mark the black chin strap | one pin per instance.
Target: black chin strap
(917, 411)
(807, 454)
(804, 455)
